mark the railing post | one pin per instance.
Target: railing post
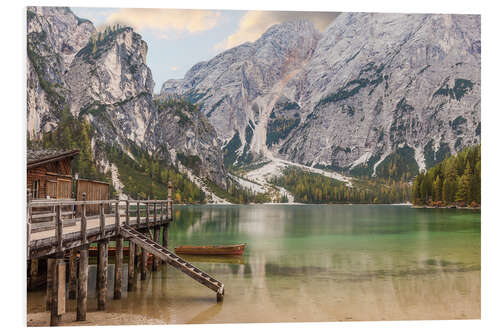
(138, 212)
(117, 216)
(147, 214)
(169, 203)
(59, 229)
(154, 214)
(127, 213)
(28, 221)
(102, 220)
(83, 220)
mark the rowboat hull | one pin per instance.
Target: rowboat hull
(212, 250)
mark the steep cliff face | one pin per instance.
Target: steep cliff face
(379, 82)
(370, 87)
(182, 134)
(54, 36)
(237, 88)
(102, 77)
(112, 86)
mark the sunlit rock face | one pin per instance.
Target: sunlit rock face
(103, 77)
(368, 85)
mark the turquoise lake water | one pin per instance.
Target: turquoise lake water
(314, 263)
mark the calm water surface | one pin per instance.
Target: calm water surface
(314, 263)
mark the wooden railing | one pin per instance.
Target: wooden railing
(135, 212)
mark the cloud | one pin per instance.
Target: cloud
(166, 23)
(254, 23)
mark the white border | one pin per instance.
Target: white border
(13, 129)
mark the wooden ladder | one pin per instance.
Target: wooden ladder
(174, 260)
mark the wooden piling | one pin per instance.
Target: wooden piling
(118, 268)
(102, 275)
(50, 280)
(83, 276)
(144, 263)
(72, 274)
(33, 272)
(131, 265)
(137, 255)
(58, 294)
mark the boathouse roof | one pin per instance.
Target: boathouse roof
(42, 156)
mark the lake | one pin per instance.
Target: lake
(314, 263)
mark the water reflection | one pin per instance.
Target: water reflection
(314, 263)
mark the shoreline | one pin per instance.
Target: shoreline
(446, 207)
(98, 318)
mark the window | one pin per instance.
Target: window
(35, 188)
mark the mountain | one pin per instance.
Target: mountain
(102, 78)
(374, 94)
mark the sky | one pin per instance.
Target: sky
(178, 39)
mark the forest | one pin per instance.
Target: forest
(142, 177)
(310, 187)
(456, 181)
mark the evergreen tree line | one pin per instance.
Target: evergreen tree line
(454, 181)
(309, 187)
(143, 176)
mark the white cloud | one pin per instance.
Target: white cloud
(254, 23)
(166, 23)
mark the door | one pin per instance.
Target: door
(64, 188)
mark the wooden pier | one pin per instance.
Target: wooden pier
(137, 221)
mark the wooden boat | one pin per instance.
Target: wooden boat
(212, 249)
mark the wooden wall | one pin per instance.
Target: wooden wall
(94, 190)
(54, 179)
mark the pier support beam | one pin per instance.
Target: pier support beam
(58, 302)
(72, 274)
(50, 280)
(83, 277)
(118, 268)
(33, 273)
(102, 275)
(131, 265)
(144, 263)
(156, 260)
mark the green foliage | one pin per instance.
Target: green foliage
(309, 187)
(248, 133)
(230, 149)
(460, 89)
(237, 194)
(192, 162)
(279, 128)
(146, 176)
(454, 181)
(215, 106)
(352, 87)
(400, 165)
(72, 133)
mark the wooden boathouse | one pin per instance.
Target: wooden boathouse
(140, 222)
